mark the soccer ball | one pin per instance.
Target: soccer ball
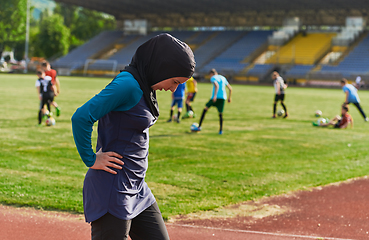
(321, 121)
(50, 121)
(280, 113)
(190, 114)
(194, 126)
(318, 113)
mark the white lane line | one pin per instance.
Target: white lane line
(258, 232)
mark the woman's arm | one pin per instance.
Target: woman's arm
(123, 92)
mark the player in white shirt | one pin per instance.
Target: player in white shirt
(46, 92)
(279, 86)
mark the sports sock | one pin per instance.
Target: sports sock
(178, 115)
(284, 107)
(274, 108)
(187, 107)
(202, 117)
(171, 113)
(220, 122)
(39, 116)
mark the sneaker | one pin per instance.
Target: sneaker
(220, 132)
(169, 120)
(315, 124)
(57, 111)
(273, 116)
(366, 119)
(285, 116)
(178, 121)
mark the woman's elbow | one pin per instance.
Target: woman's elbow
(75, 117)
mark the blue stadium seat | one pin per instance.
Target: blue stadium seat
(355, 63)
(298, 71)
(260, 70)
(77, 57)
(231, 59)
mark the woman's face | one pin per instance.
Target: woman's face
(169, 84)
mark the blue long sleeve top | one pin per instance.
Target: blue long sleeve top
(123, 127)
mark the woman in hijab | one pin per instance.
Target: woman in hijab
(116, 199)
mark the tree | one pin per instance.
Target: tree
(69, 12)
(90, 23)
(83, 23)
(13, 16)
(53, 38)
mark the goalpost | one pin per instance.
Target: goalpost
(100, 65)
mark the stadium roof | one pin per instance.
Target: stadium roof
(228, 13)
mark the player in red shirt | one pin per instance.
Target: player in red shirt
(341, 121)
(45, 65)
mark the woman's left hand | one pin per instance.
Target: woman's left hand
(107, 160)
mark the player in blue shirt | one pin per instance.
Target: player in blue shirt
(177, 98)
(352, 97)
(218, 98)
(116, 199)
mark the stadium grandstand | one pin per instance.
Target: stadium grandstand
(307, 41)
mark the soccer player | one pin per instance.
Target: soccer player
(339, 121)
(279, 86)
(359, 83)
(191, 87)
(177, 99)
(218, 98)
(45, 65)
(46, 92)
(352, 96)
(116, 198)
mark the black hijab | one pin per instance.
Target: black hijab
(158, 59)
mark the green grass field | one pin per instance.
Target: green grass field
(188, 172)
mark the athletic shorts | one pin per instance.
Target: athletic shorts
(279, 97)
(46, 99)
(179, 103)
(337, 125)
(191, 96)
(219, 104)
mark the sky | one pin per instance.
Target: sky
(41, 5)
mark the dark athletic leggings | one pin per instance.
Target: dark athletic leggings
(148, 225)
(360, 109)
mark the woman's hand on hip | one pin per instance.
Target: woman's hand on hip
(107, 160)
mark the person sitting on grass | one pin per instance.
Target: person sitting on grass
(339, 121)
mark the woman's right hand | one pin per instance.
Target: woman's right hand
(104, 160)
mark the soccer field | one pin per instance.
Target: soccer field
(255, 157)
